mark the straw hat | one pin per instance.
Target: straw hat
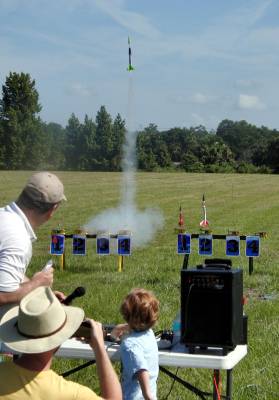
(40, 323)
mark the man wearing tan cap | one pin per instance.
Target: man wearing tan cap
(36, 204)
(36, 329)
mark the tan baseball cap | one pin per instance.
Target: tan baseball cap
(45, 187)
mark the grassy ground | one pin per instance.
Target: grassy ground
(247, 203)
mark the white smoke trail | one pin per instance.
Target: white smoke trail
(129, 162)
(142, 224)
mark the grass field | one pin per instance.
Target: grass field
(246, 203)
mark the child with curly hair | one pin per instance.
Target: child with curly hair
(139, 349)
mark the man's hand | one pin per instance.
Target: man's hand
(96, 334)
(60, 295)
(109, 383)
(43, 278)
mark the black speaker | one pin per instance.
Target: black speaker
(211, 307)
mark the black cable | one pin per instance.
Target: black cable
(188, 298)
(172, 384)
(78, 368)
(187, 304)
(201, 394)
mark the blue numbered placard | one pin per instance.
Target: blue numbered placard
(252, 246)
(205, 245)
(232, 246)
(79, 245)
(103, 245)
(57, 244)
(184, 243)
(124, 245)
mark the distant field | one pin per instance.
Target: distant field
(246, 203)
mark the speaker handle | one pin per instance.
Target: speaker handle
(216, 263)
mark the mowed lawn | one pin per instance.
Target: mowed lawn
(244, 203)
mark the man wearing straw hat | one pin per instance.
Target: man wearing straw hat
(36, 204)
(36, 328)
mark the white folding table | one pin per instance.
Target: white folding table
(177, 356)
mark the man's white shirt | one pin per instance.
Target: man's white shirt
(16, 237)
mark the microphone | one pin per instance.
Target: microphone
(78, 292)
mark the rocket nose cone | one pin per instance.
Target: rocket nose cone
(204, 223)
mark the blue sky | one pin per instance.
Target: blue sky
(197, 61)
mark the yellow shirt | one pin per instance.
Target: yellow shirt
(17, 383)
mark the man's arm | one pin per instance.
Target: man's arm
(42, 278)
(143, 378)
(109, 382)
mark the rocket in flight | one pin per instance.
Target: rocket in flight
(130, 67)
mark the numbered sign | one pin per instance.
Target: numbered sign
(57, 244)
(103, 245)
(79, 245)
(252, 246)
(232, 246)
(124, 245)
(183, 243)
(205, 245)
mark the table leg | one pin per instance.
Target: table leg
(229, 385)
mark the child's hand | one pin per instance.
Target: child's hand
(119, 330)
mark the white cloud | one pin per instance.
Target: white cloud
(80, 90)
(248, 15)
(200, 98)
(264, 36)
(246, 83)
(134, 22)
(176, 99)
(10, 5)
(248, 102)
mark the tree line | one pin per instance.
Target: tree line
(27, 142)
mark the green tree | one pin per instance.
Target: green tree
(146, 157)
(55, 150)
(2, 149)
(22, 138)
(191, 163)
(152, 149)
(272, 155)
(35, 145)
(88, 144)
(118, 139)
(217, 153)
(245, 140)
(104, 139)
(73, 133)
(175, 140)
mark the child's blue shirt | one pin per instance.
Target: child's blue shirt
(139, 351)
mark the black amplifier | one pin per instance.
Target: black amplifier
(212, 308)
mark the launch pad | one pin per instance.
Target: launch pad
(106, 244)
